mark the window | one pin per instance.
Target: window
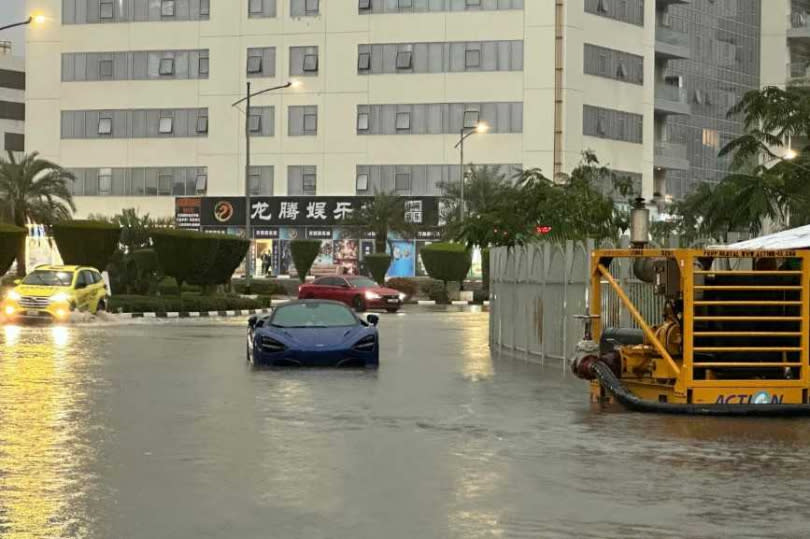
(255, 7)
(711, 138)
(201, 184)
(362, 121)
(105, 10)
(104, 181)
(167, 8)
(621, 71)
(202, 124)
(166, 66)
(166, 126)
(205, 7)
(472, 58)
(255, 182)
(601, 125)
(402, 182)
(361, 184)
(105, 69)
(105, 126)
(309, 184)
(405, 4)
(364, 61)
(473, 3)
(310, 62)
(165, 182)
(311, 124)
(255, 123)
(403, 121)
(364, 4)
(471, 118)
(601, 6)
(203, 64)
(254, 64)
(311, 7)
(404, 60)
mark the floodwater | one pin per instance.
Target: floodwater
(158, 429)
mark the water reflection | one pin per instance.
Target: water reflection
(476, 354)
(40, 440)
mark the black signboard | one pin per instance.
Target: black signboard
(290, 211)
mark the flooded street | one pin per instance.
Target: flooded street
(157, 429)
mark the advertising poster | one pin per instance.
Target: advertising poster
(404, 259)
(347, 256)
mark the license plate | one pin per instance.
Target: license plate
(31, 313)
(393, 301)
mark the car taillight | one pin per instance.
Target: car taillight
(366, 344)
(271, 345)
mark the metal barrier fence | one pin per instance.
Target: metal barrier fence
(536, 291)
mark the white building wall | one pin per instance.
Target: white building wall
(337, 91)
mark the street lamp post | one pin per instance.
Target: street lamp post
(33, 18)
(465, 132)
(248, 234)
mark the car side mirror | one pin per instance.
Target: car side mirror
(373, 319)
(252, 321)
(17, 281)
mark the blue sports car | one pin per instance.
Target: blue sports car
(313, 333)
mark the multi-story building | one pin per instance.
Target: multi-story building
(136, 95)
(12, 100)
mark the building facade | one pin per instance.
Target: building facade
(12, 100)
(136, 96)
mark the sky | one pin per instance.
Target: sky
(12, 11)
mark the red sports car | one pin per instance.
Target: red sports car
(359, 292)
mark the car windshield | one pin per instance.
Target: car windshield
(49, 278)
(313, 315)
(362, 282)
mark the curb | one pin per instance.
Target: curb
(194, 314)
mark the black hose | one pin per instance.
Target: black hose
(613, 385)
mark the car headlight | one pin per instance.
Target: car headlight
(366, 344)
(13, 295)
(403, 296)
(60, 298)
(372, 295)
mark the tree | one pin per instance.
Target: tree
(574, 206)
(34, 189)
(304, 253)
(383, 214)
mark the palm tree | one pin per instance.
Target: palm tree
(33, 189)
(384, 213)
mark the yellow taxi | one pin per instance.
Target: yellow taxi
(53, 292)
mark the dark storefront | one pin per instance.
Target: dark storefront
(275, 221)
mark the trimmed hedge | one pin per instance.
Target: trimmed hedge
(447, 261)
(168, 287)
(436, 291)
(304, 253)
(378, 264)
(12, 240)
(187, 303)
(86, 243)
(261, 287)
(485, 269)
(409, 287)
(196, 257)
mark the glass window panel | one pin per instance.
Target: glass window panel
(362, 182)
(105, 126)
(167, 8)
(310, 62)
(167, 66)
(166, 126)
(403, 121)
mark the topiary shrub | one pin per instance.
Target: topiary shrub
(409, 287)
(485, 269)
(304, 253)
(86, 243)
(185, 255)
(436, 291)
(378, 264)
(447, 261)
(12, 242)
(230, 251)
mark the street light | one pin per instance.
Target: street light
(246, 99)
(480, 127)
(37, 18)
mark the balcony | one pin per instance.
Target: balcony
(671, 99)
(671, 44)
(671, 155)
(798, 25)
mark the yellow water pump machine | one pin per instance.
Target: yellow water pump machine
(707, 332)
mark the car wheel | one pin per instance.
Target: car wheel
(392, 310)
(359, 304)
(101, 307)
